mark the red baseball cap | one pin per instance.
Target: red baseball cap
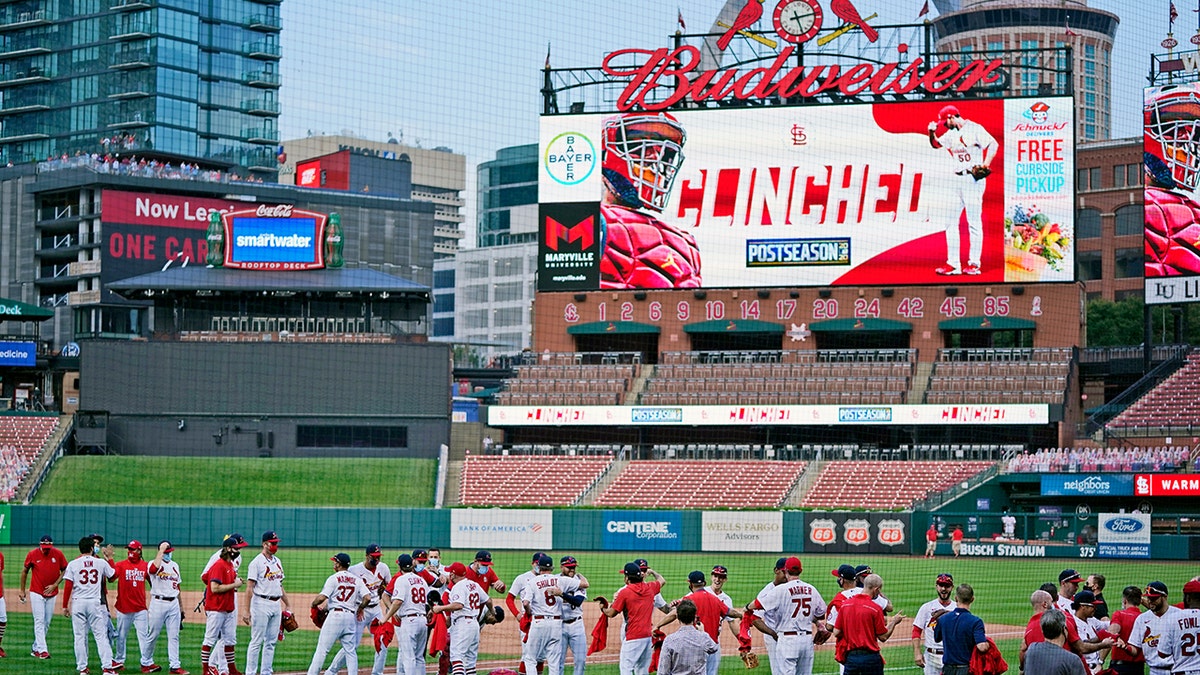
(948, 112)
(793, 565)
(134, 545)
(1192, 586)
(457, 569)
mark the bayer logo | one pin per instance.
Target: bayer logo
(570, 158)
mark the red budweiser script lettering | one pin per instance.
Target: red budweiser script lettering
(671, 72)
(280, 211)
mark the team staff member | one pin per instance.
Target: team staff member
(406, 597)
(221, 583)
(132, 611)
(927, 649)
(166, 605)
(1052, 656)
(1095, 584)
(574, 635)
(1150, 627)
(1183, 633)
(465, 600)
(48, 565)
(635, 602)
(1042, 601)
(347, 596)
(960, 633)
(956, 539)
(931, 537)
(83, 578)
(860, 627)
(710, 612)
(1123, 661)
(264, 605)
(375, 575)
(688, 650)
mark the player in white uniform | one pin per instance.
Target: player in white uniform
(347, 597)
(970, 146)
(1179, 643)
(1068, 585)
(406, 597)
(166, 605)
(1084, 604)
(1150, 627)
(927, 651)
(798, 605)
(376, 575)
(81, 602)
(463, 604)
(516, 609)
(720, 574)
(266, 602)
(218, 657)
(574, 634)
(542, 600)
(769, 619)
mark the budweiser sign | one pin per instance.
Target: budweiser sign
(662, 78)
(278, 211)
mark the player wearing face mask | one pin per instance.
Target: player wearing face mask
(218, 656)
(221, 583)
(264, 605)
(132, 611)
(47, 564)
(166, 605)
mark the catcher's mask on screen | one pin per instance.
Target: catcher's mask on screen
(642, 154)
(1172, 125)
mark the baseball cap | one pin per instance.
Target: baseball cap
(642, 563)
(632, 569)
(239, 540)
(945, 578)
(341, 558)
(404, 560)
(134, 545)
(270, 536)
(457, 569)
(1192, 586)
(720, 571)
(545, 562)
(484, 558)
(1085, 597)
(420, 555)
(1156, 589)
(537, 556)
(568, 561)
(169, 546)
(230, 542)
(793, 565)
(844, 572)
(779, 563)
(948, 112)
(696, 577)
(98, 537)
(1068, 575)
(47, 539)
(862, 569)
(374, 551)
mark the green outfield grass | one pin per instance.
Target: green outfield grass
(187, 481)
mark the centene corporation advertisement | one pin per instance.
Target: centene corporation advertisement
(642, 531)
(865, 194)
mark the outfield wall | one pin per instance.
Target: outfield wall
(808, 532)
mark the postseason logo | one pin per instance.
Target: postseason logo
(797, 252)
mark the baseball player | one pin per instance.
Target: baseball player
(1068, 585)
(1172, 161)
(81, 602)
(463, 604)
(972, 150)
(574, 635)
(1150, 627)
(543, 600)
(514, 594)
(927, 651)
(221, 582)
(347, 596)
(719, 575)
(264, 605)
(47, 564)
(635, 602)
(767, 621)
(376, 575)
(218, 657)
(112, 625)
(132, 611)
(799, 606)
(406, 597)
(1085, 610)
(166, 605)
(1182, 635)
(642, 152)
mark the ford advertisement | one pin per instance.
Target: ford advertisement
(1123, 535)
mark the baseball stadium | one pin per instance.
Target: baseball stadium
(810, 381)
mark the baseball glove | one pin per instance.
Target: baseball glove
(602, 601)
(489, 617)
(498, 612)
(318, 616)
(289, 623)
(979, 172)
(750, 659)
(820, 635)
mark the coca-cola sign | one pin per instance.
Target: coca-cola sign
(277, 211)
(274, 237)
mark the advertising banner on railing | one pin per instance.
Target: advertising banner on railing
(1166, 485)
(1123, 535)
(1087, 485)
(840, 532)
(643, 531)
(768, 415)
(742, 531)
(502, 529)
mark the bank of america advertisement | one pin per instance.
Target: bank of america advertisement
(1172, 156)
(895, 193)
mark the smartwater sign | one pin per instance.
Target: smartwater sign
(18, 354)
(1123, 535)
(501, 529)
(1087, 485)
(642, 531)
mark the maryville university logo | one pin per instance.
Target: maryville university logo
(857, 532)
(580, 233)
(280, 211)
(891, 532)
(822, 531)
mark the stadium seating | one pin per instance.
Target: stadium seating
(1175, 402)
(498, 480)
(569, 384)
(885, 485)
(700, 484)
(1071, 460)
(21, 440)
(1000, 376)
(285, 336)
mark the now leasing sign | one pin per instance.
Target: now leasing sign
(742, 531)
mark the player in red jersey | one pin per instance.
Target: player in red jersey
(1172, 155)
(132, 611)
(641, 157)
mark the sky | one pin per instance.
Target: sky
(467, 75)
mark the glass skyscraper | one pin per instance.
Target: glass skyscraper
(177, 80)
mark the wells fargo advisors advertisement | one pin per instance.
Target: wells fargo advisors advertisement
(863, 194)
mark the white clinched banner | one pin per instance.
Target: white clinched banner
(502, 529)
(742, 531)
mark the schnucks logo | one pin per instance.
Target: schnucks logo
(1123, 525)
(580, 233)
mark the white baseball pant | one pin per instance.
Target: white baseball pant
(464, 645)
(795, 654)
(340, 628)
(411, 635)
(770, 643)
(369, 614)
(574, 637)
(545, 644)
(265, 616)
(165, 613)
(967, 197)
(43, 611)
(933, 662)
(86, 615)
(140, 622)
(635, 656)
(218, 660)
(219, 627)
